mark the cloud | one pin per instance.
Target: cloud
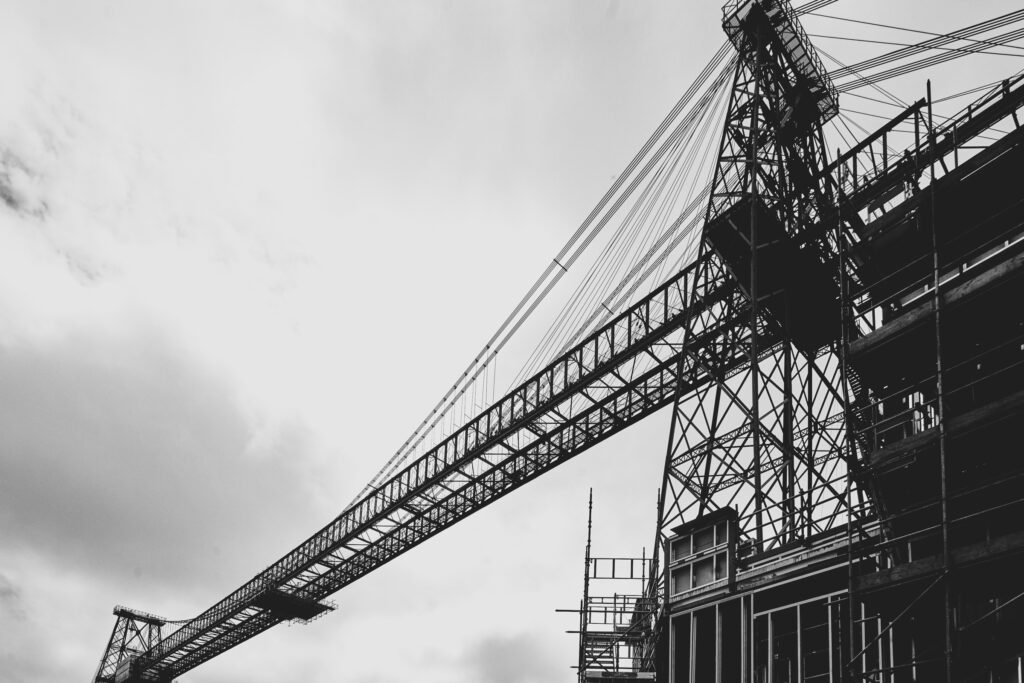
(519, 658)
(109, 433)
(18, 186)
(154, 452)
(139, 321)
(136, 470)
(13, 616)
(10, 600)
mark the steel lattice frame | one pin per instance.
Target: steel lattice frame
(134, 632)
(767, 437)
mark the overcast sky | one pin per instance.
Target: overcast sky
(244, 247)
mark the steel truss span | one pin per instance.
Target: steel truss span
(625, 371)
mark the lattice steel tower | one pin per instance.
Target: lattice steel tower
(766, 436)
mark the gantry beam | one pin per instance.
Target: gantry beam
(623, 372)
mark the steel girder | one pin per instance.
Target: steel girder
(626, 370)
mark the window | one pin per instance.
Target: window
(701, 553)
(704, 572)
(681, 548)
(814, 643)
(703, 539)
(785, 644)
(681, 649)
(707, 644)
(799, 643)
(681, 579)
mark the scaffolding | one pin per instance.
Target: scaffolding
(617, 630)
(935, 349)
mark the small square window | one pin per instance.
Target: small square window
(704, 539)
(680, 548)
(681, 579)
(704, 572)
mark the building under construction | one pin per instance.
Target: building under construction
(843, 356)
(892, 553)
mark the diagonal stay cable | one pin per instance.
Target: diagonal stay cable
(910, 67)
(550, 276)
(957, 35)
